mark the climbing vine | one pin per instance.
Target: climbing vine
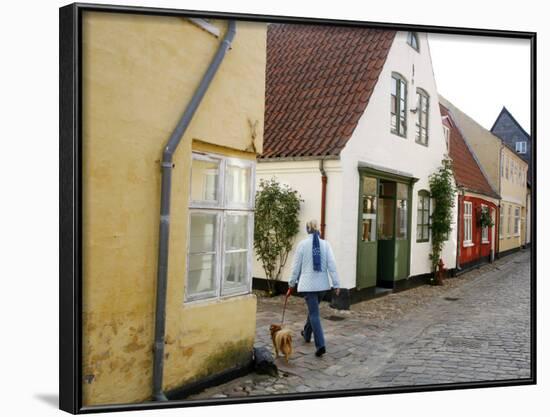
(276, 223)
(443, 190)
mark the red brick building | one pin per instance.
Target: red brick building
(476, 241)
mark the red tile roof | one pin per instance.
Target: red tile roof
(319, 80)
(467, 172)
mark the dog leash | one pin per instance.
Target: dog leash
(284, 306)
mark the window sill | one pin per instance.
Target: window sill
(423, 241)
(214, 300)
(420, 143)
(398, 134)
(468, 244)
(485, 242)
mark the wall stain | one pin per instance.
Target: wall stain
(126, 367)
(101, 356)
(133, 345)
(187, 351)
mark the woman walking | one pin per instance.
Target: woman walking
(313, 262)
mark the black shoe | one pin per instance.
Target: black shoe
(302, 333)
(320, 352)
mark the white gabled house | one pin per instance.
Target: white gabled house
(352, 115)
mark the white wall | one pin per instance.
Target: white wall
(373, 143)
(305, 177)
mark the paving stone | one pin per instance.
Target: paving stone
(413, 337)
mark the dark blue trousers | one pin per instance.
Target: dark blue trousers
(313, 322)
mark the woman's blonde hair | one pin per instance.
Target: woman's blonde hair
(312, 226)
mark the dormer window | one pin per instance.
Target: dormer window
(521, 147)
(412, 40)
(446, 134)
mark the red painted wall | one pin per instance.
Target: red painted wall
(478, 250)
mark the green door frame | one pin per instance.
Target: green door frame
(390, 176)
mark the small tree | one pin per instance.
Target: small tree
(443, 192)
(275, 226)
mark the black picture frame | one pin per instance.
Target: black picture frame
(70, 206)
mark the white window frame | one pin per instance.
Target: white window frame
(508, 230)
(242, 163)
(222, 209)
(216, 290)
(485, 229)
(446, 134)
(522, 148)
(501, 222)
(517, 221)
(221, 180)
(249, 250)
(468, 226)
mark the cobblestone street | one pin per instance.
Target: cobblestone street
(476, 327)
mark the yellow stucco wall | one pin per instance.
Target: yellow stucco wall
(139, 73)
(513, 193)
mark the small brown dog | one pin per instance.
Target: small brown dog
(282, 340)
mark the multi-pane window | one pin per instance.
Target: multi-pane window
(509, 221)
(467, 223)
(422, 107)
(517, 220)
(398, 105)
(521, 147)
(501, 222)
(485, 229)
(412, 40)
(423, 217)
(220, 227)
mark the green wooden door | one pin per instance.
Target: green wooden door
(386, 233)
(367, 247)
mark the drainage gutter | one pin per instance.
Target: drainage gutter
(166, 187)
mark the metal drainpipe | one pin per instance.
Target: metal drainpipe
(324, 180)
(166, 187)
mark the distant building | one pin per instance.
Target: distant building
(505, 170)
(510, 131)
(512, 134)
(355, 112)
(476, 243)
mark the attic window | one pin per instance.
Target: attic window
(205, 25)
(521, 147)
(412, 40)
(446, 132)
